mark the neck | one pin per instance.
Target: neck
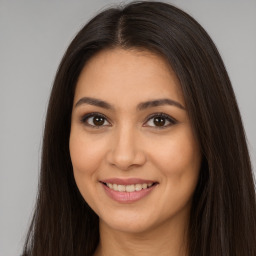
(169, 239)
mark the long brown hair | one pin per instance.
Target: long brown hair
(223, 215)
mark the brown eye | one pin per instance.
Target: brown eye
(159, 121)
(98, 120)
(95, 120)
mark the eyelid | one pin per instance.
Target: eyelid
(85, 117)
(172, 120)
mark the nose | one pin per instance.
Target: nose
(126, 151)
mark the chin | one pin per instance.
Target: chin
(128, 222)
(129, 227)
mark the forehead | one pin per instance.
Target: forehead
(118, 74)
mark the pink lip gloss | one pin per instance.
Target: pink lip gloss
(127, 197)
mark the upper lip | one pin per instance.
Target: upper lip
(128, 181)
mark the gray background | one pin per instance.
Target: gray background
(33, 38)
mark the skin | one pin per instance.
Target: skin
(130, 144)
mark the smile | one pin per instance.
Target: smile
(129, 188)
(123, 191)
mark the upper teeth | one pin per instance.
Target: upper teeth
(129, 188)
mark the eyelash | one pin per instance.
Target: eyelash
(166, 117)
(85, 118)
(171, 120)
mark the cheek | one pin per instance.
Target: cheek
(179, 161)
(178, 157)
(86, 157)
(85, 153)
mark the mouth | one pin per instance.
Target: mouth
(129, 188)
(128, 191)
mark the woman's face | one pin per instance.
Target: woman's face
(135, 158)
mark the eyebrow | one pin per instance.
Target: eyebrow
(141, 106)
(94, 102)
(159, 102)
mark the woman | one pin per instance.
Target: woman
(144, 150)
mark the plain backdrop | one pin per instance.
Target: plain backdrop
(33, 38)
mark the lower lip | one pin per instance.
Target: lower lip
(127, 197)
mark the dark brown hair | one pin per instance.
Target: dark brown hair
(223, 215)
